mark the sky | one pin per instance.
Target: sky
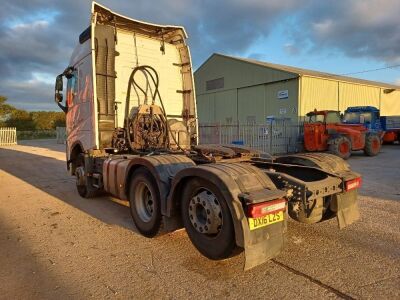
(341, 37)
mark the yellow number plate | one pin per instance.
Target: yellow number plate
(256, 223)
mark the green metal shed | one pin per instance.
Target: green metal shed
(231, 89)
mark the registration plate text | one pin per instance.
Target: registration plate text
(255, 223)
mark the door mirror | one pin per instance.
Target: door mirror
(59, 83)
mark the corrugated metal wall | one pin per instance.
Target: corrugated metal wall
(236, 74)
(254, 104)
(286, 108)
(206, 107)
(390, 103)
(317, 94)
(351, 94)
(249, 92)
(251, 104)
(332, 94)
(225, 106)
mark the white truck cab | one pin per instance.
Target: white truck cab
(98, 80)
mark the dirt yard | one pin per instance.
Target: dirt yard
(54, 244)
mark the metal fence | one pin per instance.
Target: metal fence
(276, 137)
(8, 136)
(61, 135)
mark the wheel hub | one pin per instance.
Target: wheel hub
(205, 213)
(144, 202)
(343, 148)
(375, 144)
(80, 176)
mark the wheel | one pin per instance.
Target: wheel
(341, 146)
(372, 145)
(144, 200)
(84, 184)
(207, 219)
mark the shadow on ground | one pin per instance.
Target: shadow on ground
(50, 175)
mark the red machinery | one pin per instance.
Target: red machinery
(324, 131)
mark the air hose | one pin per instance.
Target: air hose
(149, 73)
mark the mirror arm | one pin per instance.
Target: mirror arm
(68, 72)
(63, 108)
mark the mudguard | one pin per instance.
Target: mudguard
(234, 180)
(346, 208)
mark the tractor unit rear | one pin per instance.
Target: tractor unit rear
(132, 133)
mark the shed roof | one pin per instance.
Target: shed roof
(311, 73)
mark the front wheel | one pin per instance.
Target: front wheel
(207, 219)
(144, 200)
(372, 145)
(340, 146)
(84, 183)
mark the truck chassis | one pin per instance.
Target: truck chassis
(313, 187)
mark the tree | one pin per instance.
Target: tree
(45, 120)
(5, 110)
(20, 119)
(23, 120)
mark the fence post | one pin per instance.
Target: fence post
(8, 136)
(61, 135)
(219, 132)
(270, 137)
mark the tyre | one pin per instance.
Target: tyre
(207, 219)
(372, 145)
(341, 146)
(84, 184)
(144, 200)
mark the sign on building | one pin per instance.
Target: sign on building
(284, 94)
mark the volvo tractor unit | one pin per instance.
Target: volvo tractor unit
(132, 133)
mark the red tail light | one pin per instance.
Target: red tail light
(353, 184)
(261, 209)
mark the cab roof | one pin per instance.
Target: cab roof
(320, 112)
(105, 14)
(362, 109)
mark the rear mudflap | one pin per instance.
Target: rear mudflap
(346, 208)
(264, 243)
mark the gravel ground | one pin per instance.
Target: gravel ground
(54, 244)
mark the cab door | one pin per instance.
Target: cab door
(80, 116)
(71, 93)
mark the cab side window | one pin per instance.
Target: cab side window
(72, 89)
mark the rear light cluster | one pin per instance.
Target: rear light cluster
(262, 209)
(353, 184)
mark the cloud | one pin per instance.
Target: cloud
(358, 28)
(38, 36)
(291, 49)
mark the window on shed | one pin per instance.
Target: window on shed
(215, 84)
